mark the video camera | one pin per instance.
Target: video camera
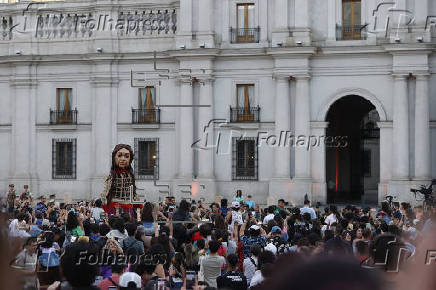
(427, 192)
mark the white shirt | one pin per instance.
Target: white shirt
(257, 278)
(236, 216)
(117, 235)
(249, 268)
(268, 218)
(331, 219)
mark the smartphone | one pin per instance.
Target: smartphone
(112, 288)
(190, 276)
(368, 225)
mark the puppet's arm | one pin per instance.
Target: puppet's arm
(106, 189)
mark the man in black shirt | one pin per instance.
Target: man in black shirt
(233, 279)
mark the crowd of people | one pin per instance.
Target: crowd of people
(229, 244)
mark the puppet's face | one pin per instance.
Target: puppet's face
(122, 158)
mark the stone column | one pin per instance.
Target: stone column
(318, 161)
(385, 151)
(22, 91)
(206, 133)
(184, 26)
(102, 128)
(263, 21)
(421, 13)
(280, 32)
(301, 32)
(206, 22)
(331, 14)
(205, 15)
(422, 129)
(401, 128)
(301, 14)
(225, 21)
(185, 17)
(186, 130)
(302, 126)
(282, 152)
(385, 158)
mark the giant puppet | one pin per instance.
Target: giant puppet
(120, 188)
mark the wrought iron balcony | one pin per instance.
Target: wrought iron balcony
(145, 116)
(351, 32)
(58, 117)
(245, 35)
(245, 115)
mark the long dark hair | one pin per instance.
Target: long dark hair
(183, 208)
(147, 212)
(239, 193)
(72, 221)
(114, 167)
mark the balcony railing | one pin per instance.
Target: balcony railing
(145, 116)
(245, 115)
(63, 117)
(245, 35)
(351, 32)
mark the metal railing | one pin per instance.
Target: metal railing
(63, 117)
(351, 32)
(145, 116)
(245, 35)
(245, 114)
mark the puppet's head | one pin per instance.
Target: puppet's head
(122, 157)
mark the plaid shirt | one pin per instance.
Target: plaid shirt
(248, 241)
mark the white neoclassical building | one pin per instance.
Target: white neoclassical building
(335, 99)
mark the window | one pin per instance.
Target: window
(245, 25)
(64, 158)
(245, 163)
(245, 16)
(244, 111)
(147, 111)
(64, 113)
(351, 14)
(146, 102)
(146, 158)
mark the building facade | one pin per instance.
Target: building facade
(335, 99)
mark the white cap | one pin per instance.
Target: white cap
(271, 248)
(128, 277)
(254, 227)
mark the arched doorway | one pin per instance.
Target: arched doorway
(353, 167)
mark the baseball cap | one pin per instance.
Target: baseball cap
(255, 227)
(45, 222)
(271, 248)
(129, 278)
(276, 230)
(235, 204)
